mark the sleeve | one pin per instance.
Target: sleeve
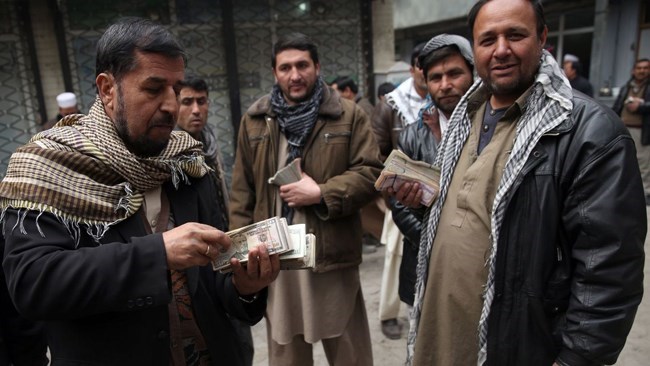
(408, 221)
(605, 220)
(242, 196)
(50, 277)
(346, 193)
(22, 341)
(382, 128)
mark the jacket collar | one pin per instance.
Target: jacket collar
(330, 106)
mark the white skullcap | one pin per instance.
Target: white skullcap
(66, 100)
(571, 58)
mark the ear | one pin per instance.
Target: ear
(317, 67)
(107, 89)
(543, 36)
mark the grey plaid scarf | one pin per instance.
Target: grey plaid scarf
(297, 121)
(548, 105)
(82, 172)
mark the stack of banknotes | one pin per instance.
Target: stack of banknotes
(289, 174)
(297, 248)
(399, 169)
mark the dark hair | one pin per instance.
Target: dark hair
(416, 52)
(295, 41)
(537, 7)
(641, 60)
(116, 48)
(440, 54)
(343, 82)
(385, 88)
(195, 82)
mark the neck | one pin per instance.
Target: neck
(421, 92)
(502, 101)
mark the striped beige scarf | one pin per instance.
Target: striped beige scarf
(82, 172)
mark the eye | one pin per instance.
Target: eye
(187, 101)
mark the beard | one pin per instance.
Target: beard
(140, 145)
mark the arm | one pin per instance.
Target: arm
(382, 128)
(605, 223)
(345, 193)
(50, 278)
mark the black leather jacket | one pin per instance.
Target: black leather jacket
(418, 143)
(644, 109)
(569, 266)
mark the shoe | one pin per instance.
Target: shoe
(391, 329)
(368, 248)
(369, 239)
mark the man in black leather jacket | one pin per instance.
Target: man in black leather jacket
(447, 64)
(536, 239)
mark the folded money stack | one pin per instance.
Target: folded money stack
(289, 174)
(297, 249)
(399, 169)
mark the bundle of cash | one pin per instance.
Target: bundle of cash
(295, 246)
(289, 174)
(303, 249)
(399, 169)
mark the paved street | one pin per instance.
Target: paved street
(393, 352)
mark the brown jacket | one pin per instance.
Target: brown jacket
(338, 155)
(386, 125)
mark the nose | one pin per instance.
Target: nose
(170, 101)
(502, 47)
(294, 75)
(446, 83)
(195, 107)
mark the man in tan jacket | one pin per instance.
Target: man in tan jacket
(303, 118)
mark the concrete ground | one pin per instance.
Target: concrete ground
(393, 352)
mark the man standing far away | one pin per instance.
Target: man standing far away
(533, 252)
(573, 69)
(303, 118)
(193, 108)
(633, 105)
(67, 103)
(401, 108)
(116, 208)
(448, 65)
(349, 90)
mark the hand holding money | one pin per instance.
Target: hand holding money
(260, 271)
(193, 244)
(400, 169)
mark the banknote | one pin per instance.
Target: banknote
(295, 246)
(271, 232)
(289, 174)
(399, 169)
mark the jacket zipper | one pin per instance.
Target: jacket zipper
(336, 134)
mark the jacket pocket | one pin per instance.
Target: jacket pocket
(337, 137)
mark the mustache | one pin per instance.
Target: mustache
(164, 120)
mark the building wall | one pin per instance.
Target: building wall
(47, 55)
(413, 13)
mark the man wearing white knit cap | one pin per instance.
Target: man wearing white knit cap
(572, 69)
(67, 103)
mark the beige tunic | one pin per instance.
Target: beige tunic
(448, 333)
(317, 305)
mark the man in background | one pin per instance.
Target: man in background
(304, 118)
(448, 65)
(67, 103)
(633, 105)
(193, 104)
(573, 71)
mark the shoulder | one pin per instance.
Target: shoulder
(261, 107)
(594, 121)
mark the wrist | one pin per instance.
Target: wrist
(249, 298)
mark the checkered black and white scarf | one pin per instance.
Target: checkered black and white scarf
(548, 105)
